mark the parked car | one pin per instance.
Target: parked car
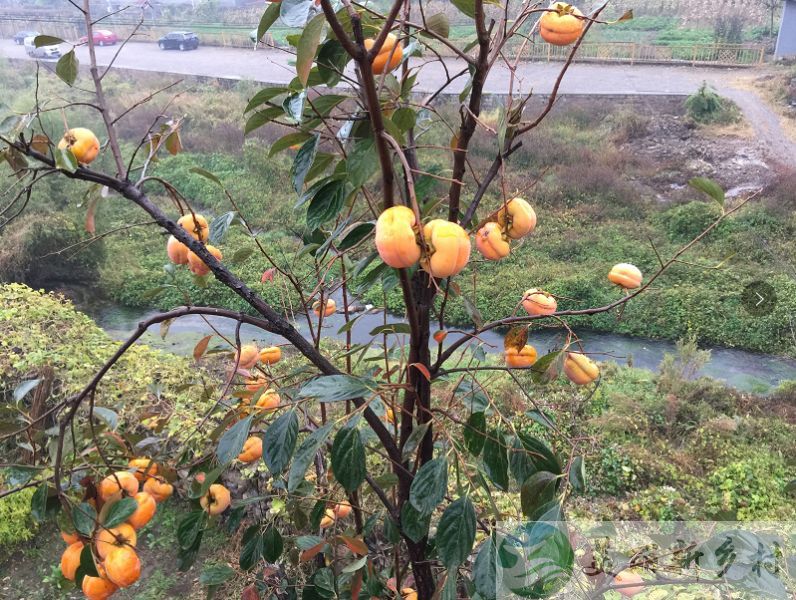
(179, 40)
(42, 51)
(102, 37)
(19, 37)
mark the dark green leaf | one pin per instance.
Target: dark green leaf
(413, 441)
(219, 227)
(293, 106)
(404, 118)
(269, 17)
(475, 433)
(251, 548)
(307, 45)
(264, 96)
(279, 442)
(542, 457)
(466, 6)
(190, 528)
(286, 141)
(348, 458)
(536, 491)
(496, 460)
(334, 388)
(207, 175)
(120, 511)
(546, 369)
(38, 503)
(355, 234)
(391, 328)
(709, 187)
(485, 570)
(414, 524)
(66, 67)
(261, 117)
(332, 59)
(326, 204)
(304, 455)
(323, 105)
(362, 163)
(272, 544)
(303, 162)
(231, 443)
(429, 485)
(46, 40)
(241, 255)
(456, 533)
(216, 574)
(577, 474)
(84, 517)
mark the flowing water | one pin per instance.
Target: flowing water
(743, 370)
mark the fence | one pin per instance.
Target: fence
(728, 55)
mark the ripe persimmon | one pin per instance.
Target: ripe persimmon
(626, 578)
(177, 251)
(144, 468)
(247, 356)
(517, 218)
(328, 519)
(580, 369)
(440, 335)
(341, 510)
(115, 537)
(216, 500)
(625, 275)
(538, 302)
(408, 593)
(196, 225)
(560, 25)
(121, 480)
(160, 489)
(70, 560)
(252, 450)
(122, 566)
(448, 248)
(270, 355)
(389, 56)
(70, 538)
(197, 266)
(98, 588)
(490, 243)
(145, 511)
(330, 309)
(82, 143)
(525, 357)
(396, 239)
(268, 401)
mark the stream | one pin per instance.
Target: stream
(746, 371)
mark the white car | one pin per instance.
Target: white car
(42, 51)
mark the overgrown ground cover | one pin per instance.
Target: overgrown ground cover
(608, 181)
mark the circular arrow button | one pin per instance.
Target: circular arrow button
(759, 299)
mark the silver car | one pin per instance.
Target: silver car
(42, 51)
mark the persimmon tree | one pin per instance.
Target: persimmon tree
(379, 484)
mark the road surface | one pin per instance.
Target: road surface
(274, 66)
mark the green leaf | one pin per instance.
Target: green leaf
(207, 175)
(231, 443)
(391, 329)
(362, 163)
(279, 442)
(273, 545)
(439, 24)
(264, 96)
(107, 415)
(66, 67)
(308, 44)
(241, 255)
(293, 106)
(496, 460)
(86, 566)
(332, 60)
(216, 574)
(304, 455)
(65, 160)
(84, 517)
(456, 533)
(326, 204)
(120, 511)
(303, 162)
(355, 234)
(485, 570)
(46, 40)
(219, 227)
(546, 369)
(466, 6)
(413, 523)
(286, 141)
(24, 388)
(536, 491)
(404, 118)
(269, 17)
(709, 187)
(334, 388)
(190, 528)
(348, 458)
(475, 433)
(577, 474)
(261, 117)
(429, 486)
(252, 547)
(323, 105)
(541, 456)
(38, 503)
(413, 441)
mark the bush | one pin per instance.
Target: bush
(707, 107)
(15, 523)
(682, 223)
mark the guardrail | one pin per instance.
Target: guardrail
(725, 55)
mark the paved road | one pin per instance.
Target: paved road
(273, 66)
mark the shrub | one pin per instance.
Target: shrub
(707, 107)
(680, 222)
(15, 523)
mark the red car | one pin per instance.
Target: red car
(102, 37)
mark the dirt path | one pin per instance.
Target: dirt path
(273, 66)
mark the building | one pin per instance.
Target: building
(786, 41)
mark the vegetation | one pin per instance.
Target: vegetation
(706, 106)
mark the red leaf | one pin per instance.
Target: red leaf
(201, 347)
(423, 369)
(311, 553)
(268, 275)
(356, 546)
(250, 593)
(356, 584)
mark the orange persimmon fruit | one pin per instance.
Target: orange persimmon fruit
(196, 225)
(82, 143)
(252, 450)
(122, 566)
(625, 275)
(538, 302)
(490, 243)
(396, 240)
(517, 218)
(197, 266)
(121, 480)
(389, 56)
(448, 248)
(70, 560)
(525, 357)
(216, 500)
(560, 25)
(580, 369)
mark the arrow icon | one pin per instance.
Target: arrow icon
(761, 299)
